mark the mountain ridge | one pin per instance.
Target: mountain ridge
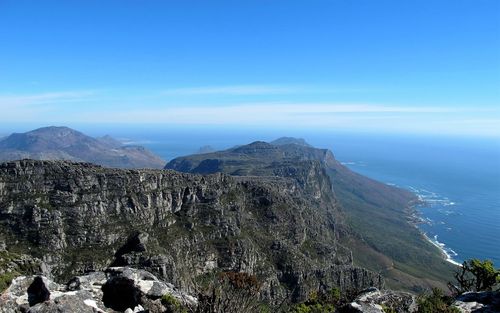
(283, 228)
(64, 143)
(383, 236)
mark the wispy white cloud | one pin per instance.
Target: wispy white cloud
(88, 106)
(234, 90)
(367, 117)
(262, 113)
(246, 90)
(43, 98)
(39, 106)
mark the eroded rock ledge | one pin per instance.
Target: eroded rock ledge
(119, 289)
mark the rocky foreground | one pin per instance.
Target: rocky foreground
(117, 289)
(123, 289)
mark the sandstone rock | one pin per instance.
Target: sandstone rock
(37, 292)
(40, 294)
(145, 283)
(117, 289)
(120, 293)
(137, 309)
(484, 302)
(75, 302)
(373, 300)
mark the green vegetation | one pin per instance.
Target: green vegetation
(10, 267)
(436, 302)
(476, 275)
(172, 304)
(321, 302)
(382, 239)
(388, 309)
(6, 279)
(230, 292)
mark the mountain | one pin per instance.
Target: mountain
(381, 231)
(79, 217)
(205, 149)
(290, 140)
(63, 143)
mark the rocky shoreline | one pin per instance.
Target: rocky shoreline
(415, 218)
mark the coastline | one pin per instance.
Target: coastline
(440, 246)
(415, 218)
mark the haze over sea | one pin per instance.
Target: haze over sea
(459, 178)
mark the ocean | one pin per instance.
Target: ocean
(459, 178)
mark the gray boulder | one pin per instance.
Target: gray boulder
(373, 300)
(119, 289)
(484, 302)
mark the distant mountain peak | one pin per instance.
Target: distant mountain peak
(290, 140)
(54, 130)
(254, 147)
(205, 149)
(64, 143)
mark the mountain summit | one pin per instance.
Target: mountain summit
(290, 140)
(63, 143)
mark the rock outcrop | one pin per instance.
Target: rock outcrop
(116, 289)
(480, 302)
(80, 218)
(373, 300)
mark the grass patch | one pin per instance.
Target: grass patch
(6, 279)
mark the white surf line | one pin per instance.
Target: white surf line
(441, 246)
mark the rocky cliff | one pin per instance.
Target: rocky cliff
(81, 217)
(380, 234)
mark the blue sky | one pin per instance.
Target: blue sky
(428, 67)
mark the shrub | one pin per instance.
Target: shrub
(436, 302)
(388, 309)
(230, 292)
(6, 279)
(476, 275)
(319, 302)
(172, 304)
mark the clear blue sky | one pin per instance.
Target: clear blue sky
(389, 66)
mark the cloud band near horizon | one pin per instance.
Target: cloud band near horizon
(90, 107)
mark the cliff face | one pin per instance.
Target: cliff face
(81, 217)
(380, 235)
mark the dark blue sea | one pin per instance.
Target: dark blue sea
(459, 178)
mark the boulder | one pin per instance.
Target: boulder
(121, 293)
(75, 302)
(373, 300)
(37, 292)
(147, 284)
(40, 294)
(484, 302)
(120, 289)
